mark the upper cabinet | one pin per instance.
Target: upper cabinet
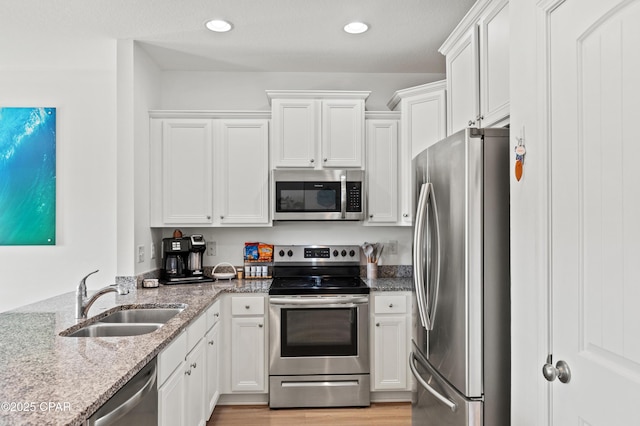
(477, 62)
(317, 129)
(422, 123)
(196, 157)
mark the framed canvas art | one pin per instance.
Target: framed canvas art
(27, 176)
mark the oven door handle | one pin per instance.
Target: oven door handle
(319, 301)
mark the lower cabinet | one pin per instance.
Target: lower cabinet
(390, 335)
(188, 373)
(248, 345)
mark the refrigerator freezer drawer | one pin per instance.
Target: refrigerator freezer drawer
(436, 403)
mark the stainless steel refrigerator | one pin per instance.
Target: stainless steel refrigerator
(461, 344)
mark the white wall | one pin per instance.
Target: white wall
(78, 78)
(528, 216)
(147, 84)
(230, 241)
(246, 90)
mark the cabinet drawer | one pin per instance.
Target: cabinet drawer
(213, 314)
(171, 357)
(247, 306)
(195, 331)
(390, 304)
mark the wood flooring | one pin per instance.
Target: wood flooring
(387, 414)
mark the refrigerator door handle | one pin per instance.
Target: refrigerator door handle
(418, 258)
(427, 304)
(446, 401)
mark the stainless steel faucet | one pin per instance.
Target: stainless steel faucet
(83, 303)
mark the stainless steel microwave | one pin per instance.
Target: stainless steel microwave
(318, 194)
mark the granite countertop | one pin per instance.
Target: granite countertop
(390, 284)
(48, 379)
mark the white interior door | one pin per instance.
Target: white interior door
(594, 83)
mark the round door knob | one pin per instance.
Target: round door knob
(194, 365)
(405, 214)
(247, 306)
(370, 216)
(377, 324)
(188, 372)
(561, 371)
(208, 217)
(221, 217)
(325, 160)
(211, 342)
(260, 325)
(312, 160)
(391, 305)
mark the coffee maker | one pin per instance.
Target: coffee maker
(182, 260)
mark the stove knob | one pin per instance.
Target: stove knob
(281, 253)
(343, 253)
(335, 253)
(290, 253)
(352, 253)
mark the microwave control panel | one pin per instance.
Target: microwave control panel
(354, 196)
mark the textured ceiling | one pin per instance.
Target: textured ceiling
(268, 35)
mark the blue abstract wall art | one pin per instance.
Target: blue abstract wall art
(27, 176)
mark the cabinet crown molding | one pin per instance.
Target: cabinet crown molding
(469, 20)
(316, 94)
(414, 91)
(208, 114)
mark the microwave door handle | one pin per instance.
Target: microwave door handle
(343, 195)
(418, 256)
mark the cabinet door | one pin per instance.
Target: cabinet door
(390, 352)
(494, 64)
(247, 354)
(423, 123)
(295, 132)
(213, 355)
(342, 132)
(382, 171)
(171, 410)
(187, 171)
(462, 83)
(242, 170)
(195, 390)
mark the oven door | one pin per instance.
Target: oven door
(319, 334)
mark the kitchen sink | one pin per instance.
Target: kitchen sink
(126, 322)
(146, 315)
(99, 329)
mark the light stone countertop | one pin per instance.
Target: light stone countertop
(48, 379)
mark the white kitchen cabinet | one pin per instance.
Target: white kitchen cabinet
(195, 385)
(477, 66)
(182, 172)
(242, 170)
(212, 339)
(390, 325)
(248, 345)
(423, 122)
(317, 129)
(209, 168)
(171, 382)
(382, 170)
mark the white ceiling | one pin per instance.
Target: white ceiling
(268, 35)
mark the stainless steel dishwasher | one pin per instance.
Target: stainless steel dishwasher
(135, 404)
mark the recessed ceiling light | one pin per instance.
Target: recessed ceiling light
(356, 27)
(218, 25)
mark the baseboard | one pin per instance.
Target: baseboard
(391, 396)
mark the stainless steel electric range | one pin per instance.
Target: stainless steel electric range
(319, 328)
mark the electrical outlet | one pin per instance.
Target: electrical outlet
(393, 247)
(211, 248)
(153, 251)
(140, 254)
